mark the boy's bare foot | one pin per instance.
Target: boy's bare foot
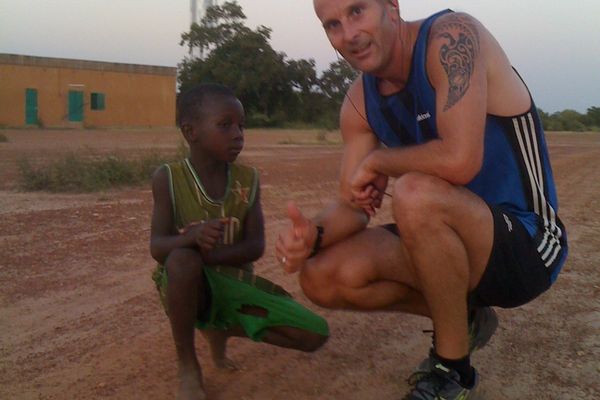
(217, 341)
(226, 363)
(190, 386)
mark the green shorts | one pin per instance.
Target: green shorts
(233, 288)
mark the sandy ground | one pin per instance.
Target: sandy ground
(80, 319)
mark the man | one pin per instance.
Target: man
(473, 200)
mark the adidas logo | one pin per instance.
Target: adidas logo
(424, 116)
(508, 223)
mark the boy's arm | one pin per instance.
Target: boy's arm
(164, 238)
(252, 245)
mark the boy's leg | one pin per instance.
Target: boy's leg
(257, 308)
(282, 336)
(217, 343)
(287, 336)
(295, 338)
(185, 299)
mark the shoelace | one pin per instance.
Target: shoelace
(416, 376)
(434, 380)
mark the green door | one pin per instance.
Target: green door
(75, 106)
(31, 106)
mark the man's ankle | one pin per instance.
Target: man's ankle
(462, 366)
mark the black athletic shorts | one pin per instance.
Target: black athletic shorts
(515, 273)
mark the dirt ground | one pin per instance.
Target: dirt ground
(80, 318)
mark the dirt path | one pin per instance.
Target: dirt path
(80, 319)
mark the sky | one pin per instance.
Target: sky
(554, 44)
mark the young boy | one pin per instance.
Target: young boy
(207, 229)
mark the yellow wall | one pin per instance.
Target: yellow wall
(134, 95)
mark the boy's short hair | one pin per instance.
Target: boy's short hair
(190, 101)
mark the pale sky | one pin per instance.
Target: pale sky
(555, 44)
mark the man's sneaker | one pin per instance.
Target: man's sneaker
(442, 383)
(483, 322)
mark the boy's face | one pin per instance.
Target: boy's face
(218, 132)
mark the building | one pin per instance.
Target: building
(63, 93)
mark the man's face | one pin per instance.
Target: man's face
(363, 31)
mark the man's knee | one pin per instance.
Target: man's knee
(317, 285)
(324, 281)
(184, 264)
(417, 198)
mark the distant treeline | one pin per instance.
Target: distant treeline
(279, 92)
(571, 120)
(275, 91)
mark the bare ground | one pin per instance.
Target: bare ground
(80, 319)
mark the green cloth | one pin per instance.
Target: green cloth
(233, 288)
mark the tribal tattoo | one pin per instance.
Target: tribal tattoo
(458, 54)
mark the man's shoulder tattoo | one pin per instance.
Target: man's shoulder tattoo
(457, 54)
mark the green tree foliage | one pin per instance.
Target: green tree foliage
(276, 91)
(593, 118)
(219, 25)
(571, 120)
(337, 79)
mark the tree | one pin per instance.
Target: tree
(571, 120)
(256, 71)
(274, 90)
(593, 116)
(220, 24)
(236, 56)
(337, 79)
(302, 75)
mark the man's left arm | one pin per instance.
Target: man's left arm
(457, 71)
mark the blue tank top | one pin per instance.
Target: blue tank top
(515, 174)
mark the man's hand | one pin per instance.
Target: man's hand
(368, 188)
(294, 244)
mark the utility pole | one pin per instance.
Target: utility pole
(197, 14)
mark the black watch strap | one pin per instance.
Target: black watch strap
(317, 245)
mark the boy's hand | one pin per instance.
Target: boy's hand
(295, 243)
(207, 234)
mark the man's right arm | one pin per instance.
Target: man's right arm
(344, 216)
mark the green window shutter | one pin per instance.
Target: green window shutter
(31, 106)
(97, 101)
(93, 101)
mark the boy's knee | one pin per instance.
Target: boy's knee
(184, 264)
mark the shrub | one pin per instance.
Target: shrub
(75, 173)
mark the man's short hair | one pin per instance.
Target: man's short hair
(190, 101)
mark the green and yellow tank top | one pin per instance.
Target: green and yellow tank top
(191, 202)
